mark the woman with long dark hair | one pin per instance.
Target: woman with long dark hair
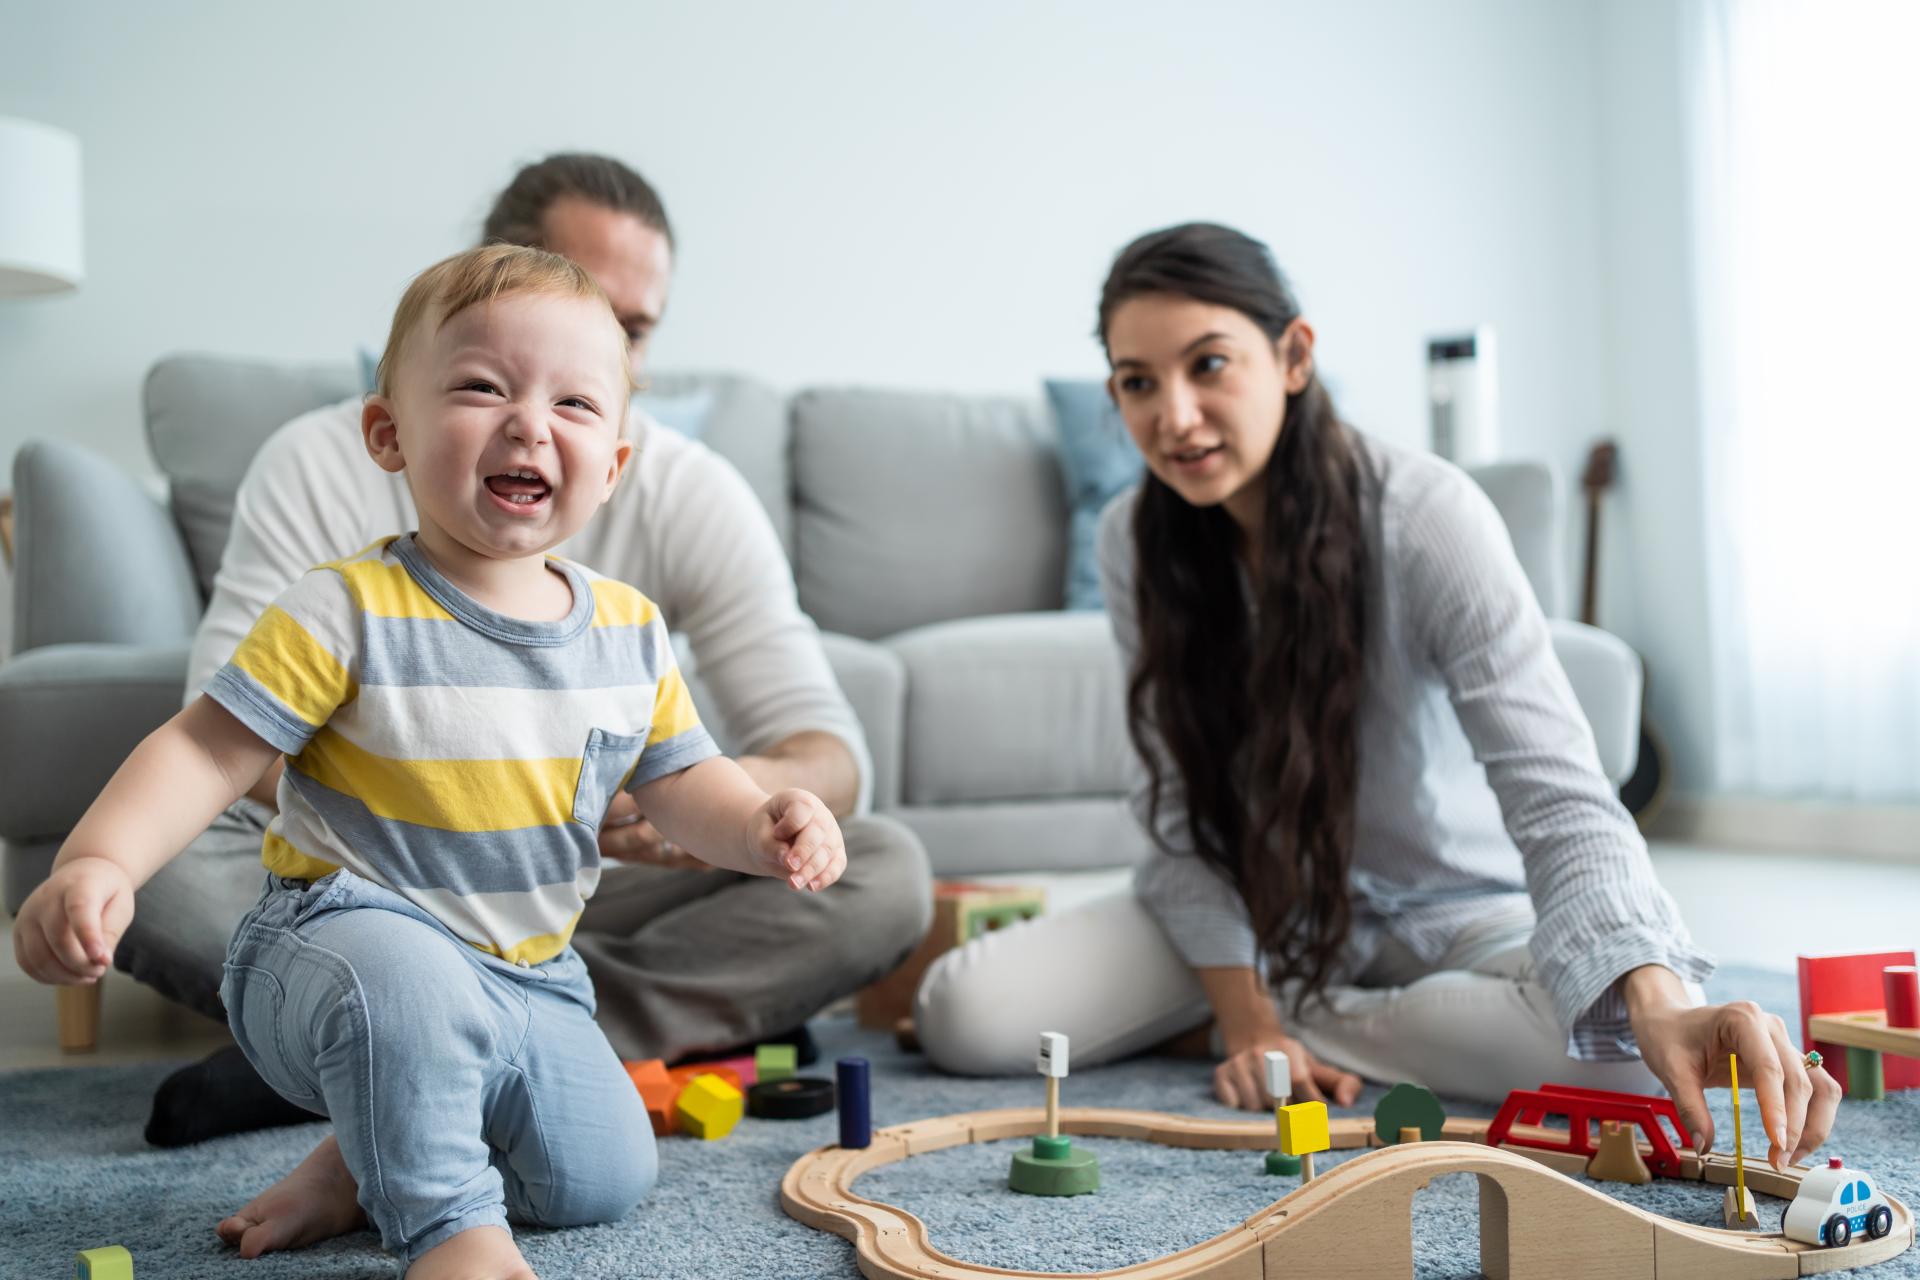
(1383, 842)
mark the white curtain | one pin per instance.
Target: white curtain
(1805, 151)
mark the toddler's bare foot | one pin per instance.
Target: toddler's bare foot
(316, 1201)
(478, 1253)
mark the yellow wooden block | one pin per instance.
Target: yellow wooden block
(109, 1262)
(709, 1107)
(1303, 1128)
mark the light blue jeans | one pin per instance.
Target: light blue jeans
(461, 1087)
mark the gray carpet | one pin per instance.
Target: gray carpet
(75, 1173)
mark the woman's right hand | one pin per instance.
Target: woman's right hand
(1241, 1080)
(68, 927)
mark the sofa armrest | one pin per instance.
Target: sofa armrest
(69, 715)
(875, 682)
(1606, 676)
(97, 560)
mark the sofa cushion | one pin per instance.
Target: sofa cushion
(1016, 707)
(1099, 463)
(1528, 500)
(208, 415)
(1026, 835)
(911, 508)
(69, 714)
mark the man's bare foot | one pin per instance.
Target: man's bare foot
(316, 1201)
(478, 1253)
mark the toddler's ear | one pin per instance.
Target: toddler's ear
(381, 433)
(622, 454)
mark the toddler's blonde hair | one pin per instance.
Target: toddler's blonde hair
(481, 275)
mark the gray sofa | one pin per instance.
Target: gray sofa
(928, 540)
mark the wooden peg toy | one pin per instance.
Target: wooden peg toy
(1280, 1087)
(1303, 1131)
(1619, 1158)
(1053, 1167)
(108, 1262)
(1408, 1106)
(1738, 1210)
(851, 1092)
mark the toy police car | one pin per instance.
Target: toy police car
(1833, 1205)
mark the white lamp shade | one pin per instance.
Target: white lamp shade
(39, 209)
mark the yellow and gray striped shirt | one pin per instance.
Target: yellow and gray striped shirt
(455, 755)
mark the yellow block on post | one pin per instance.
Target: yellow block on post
(709, 1107)
(1303, 1128)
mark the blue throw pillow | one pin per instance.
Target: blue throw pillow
(685, 413)
(1099, 462)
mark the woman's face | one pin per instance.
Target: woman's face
(1203, 390)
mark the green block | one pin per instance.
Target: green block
(1408, 1106)
(774, 1061)
(1053, 1168)
(1282, 1165)
(109, 1262)
(1866, 1076)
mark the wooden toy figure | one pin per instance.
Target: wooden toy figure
(1280, 1085)
(1053, 1167)
(1738, 1209)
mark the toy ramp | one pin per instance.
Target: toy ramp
(1355, 1220)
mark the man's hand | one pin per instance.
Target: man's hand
(68, 927)
(1686, 1047)
(626, 836)
(796, 836)
(1241, 1080)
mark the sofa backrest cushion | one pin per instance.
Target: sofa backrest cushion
(1528, 500)
(914, 507)
(208, 415)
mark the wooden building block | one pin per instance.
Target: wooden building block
(108, 1262)
(709, 1107)
(728, 1071)
(961, 912)
(775, 1061)
(648, 1071)
(1849, 984)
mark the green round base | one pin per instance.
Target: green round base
(1282, 1165)
(1040, 1172)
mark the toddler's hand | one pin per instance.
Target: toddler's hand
(67, 928)
(797, 836)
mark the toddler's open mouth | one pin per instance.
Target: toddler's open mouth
(519, 488)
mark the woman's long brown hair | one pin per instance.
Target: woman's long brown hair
(1257, 707)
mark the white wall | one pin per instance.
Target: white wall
(903, 194)
(873, 193)
(1654, 575)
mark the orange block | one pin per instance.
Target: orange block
(651, 1071)
(659, 1091)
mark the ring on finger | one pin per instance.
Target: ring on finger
(1812, 1059)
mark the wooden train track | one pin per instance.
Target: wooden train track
(1535, 1220)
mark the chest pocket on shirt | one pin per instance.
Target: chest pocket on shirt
(607, 759)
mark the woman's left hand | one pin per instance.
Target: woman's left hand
(1687, 1047)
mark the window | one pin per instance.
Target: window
(1846, 1193)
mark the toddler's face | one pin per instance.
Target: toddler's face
(508, 421)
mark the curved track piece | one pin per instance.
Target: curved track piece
(1533, 1221)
